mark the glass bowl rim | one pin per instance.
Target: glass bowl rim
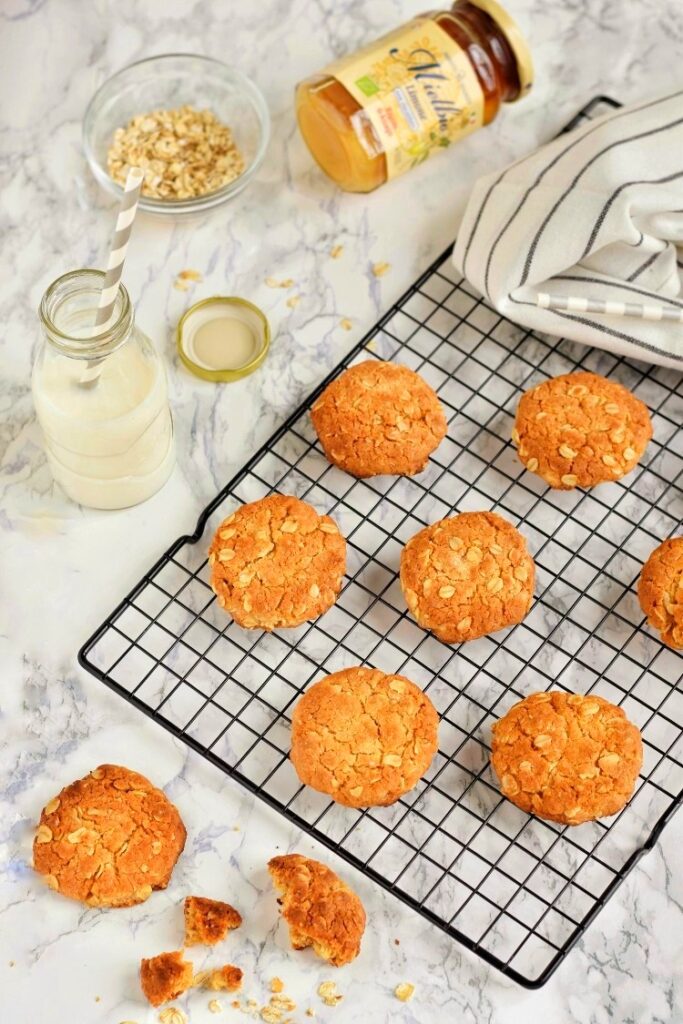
(194, 203)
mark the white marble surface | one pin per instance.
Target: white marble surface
(63, 568)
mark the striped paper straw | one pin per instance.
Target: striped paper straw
(641, 311)
(117, 255)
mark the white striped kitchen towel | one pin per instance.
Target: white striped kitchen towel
(596, 214)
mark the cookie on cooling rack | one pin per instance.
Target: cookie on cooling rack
(363, 737)
(277, 563)
(566, 757)
(109, 839)
(165, 977)
(320, 910)
(660, 591)
(468, 576)
(580, 429)
(208, 921)
(379, 418)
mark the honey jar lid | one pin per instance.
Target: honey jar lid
(518, 44)
(223, 338)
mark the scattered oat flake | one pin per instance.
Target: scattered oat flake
(404, 991)
(277, 985)
(282, 1003)
(181, 286)
(215, 1006)
(190, 275)
(380, 269)
(271, 1015)
(327, 990)
(172, 1015)
(336, 251)
(98, 999)
(293, 301)
(346, 324)
(273, 282)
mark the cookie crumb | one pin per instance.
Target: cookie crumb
(277, 985)
(336, 251)
(181, 286)
(380, 269)
(214, 1006)
(11, 963)
(273, 282)
(190, 275)
(346, 324)
(404, 991)
(310, 1012)
(293, 301)
(98, 999)
(397, 942)
(236, 1004)
(172, 1015)
(327, 990)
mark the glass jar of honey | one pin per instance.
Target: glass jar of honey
(374, 115)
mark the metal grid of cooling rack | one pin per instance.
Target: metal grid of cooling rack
(516, 890)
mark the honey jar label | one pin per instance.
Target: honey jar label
(417, 90)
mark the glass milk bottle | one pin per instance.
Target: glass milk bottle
(100, 398)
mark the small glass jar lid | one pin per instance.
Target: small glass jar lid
(223, 338)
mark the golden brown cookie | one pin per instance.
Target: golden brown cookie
(277, 562)
(580, 429)
(320, 910)
(227, 978)
(379, 418)
(660, 591)
(566, 757)
(165, 977)
(363, 737)
(208, 921)
(109, 839)
(467, 576)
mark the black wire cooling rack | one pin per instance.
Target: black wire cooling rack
(515, 890)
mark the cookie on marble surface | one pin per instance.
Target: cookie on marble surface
(363, 737)
(566, 757)
(379, 418)
(580, 429)
(468, 576)
(208, 921)
(109, 839)
(277, 563)
(320, 910)
(165, 977)
(660, 591)
(227, 978)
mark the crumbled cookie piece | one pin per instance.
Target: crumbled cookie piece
(184, 153)
(566, 757)
(109, 839)
(320, 910)
(580, 429)
(227, 978)
(208, 921)
(404, 991)
(379, 418)
(165, 977)
(293, 301)
(468, 576)
(277, 985)
(380, 269)
(336, 251)
(277, 563)
(660, 591)
(346, 324)
(363, 737)
(327, 990)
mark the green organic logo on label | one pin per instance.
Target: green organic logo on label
(367, 85)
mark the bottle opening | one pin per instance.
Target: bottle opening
(68, 310)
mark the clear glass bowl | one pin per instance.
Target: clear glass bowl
(170, 81)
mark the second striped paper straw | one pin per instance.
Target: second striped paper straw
(641, 311)
(117, 255)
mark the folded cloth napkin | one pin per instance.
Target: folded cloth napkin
(597, 214)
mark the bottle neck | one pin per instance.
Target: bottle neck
(67, 315)
(493, 45)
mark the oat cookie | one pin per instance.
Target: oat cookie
(320, 910)
(208, 921)
(277, 562)
(467, 576)
(109, 839)
(363, 737)
(165, 977)
(660, 591)
(580, 429)
(566, 757)
(379, 418)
